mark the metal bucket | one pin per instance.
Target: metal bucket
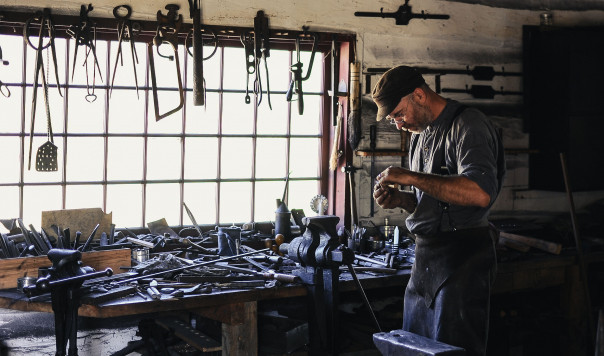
(140, 254)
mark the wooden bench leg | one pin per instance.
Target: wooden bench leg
(241, 339)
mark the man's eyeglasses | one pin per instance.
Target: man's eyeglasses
(399, 115)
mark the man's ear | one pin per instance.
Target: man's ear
(419, 95)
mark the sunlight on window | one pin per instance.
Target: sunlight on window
(235, 202)
(85, 158)
(37, 199)
(163, 201)
(12, 51)
(163, 158)
(11, 109)
(237, 116)
(201, 200)
(125, 158)
(84, 116)
(310, 122)
(126, 112)
(236, 158)
(265, 204)
(202, 119)
(83, 196)
(10, 148)
(303, 153)
(201, 158)
(270, 157)
(272, 122)
(9, 194)
(125, 201)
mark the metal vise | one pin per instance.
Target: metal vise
(320, 255)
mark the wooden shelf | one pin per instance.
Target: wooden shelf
(381, 153)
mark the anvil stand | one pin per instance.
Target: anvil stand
(320, 255)
(64, 281)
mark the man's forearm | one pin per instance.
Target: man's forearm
(456, 190)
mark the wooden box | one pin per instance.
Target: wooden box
(13, 268)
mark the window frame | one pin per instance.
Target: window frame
(227, 36)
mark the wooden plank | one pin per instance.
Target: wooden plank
(13, 268)
(513, 244)
(242, 339)
(547, 246)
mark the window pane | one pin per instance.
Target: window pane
(201, 158)
(163, 201)
(124, 75)
(236, 159)
(10, 148)
(31, 61)
(270, 157)
(278, 68)
(12, 51)
(126, 112)
(237, 116)
(11, 110)
(163, 158)
(84, 116)
(310, 122)
(167, 101)
(265, 198)
(37, 199)
(201, 200)
(202, 119)
(273, 122)
(83, 196)
(235, 202)
(31, 175)
(304, 153)
(85, 158)
(300, 194)
(235, 73)
(125, 202)
(125, 158)
(9, 208)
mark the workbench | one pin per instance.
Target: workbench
(237, 309)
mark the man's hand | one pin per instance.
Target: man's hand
(394, 175)
(386, 197)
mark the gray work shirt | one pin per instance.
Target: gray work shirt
(471, 148)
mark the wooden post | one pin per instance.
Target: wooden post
(242, 339)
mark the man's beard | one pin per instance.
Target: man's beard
(423, 117)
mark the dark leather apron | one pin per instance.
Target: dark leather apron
(447, 297)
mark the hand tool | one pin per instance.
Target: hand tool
(4, 90)
(76, 242)
(168, 27)
(191, 266)
(84, 34)
(40, 242)
(265, 274)
(152, 290)
(354, 121)
(198, 87)
(29, 241)
(403, 15)
(126, 31)
(46, 158)
(89, 239)
(349, 170)
(295, 86)
(261, 53)
(335, 151)
(250, 63)
(195, 225)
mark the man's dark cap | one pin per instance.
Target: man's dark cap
(396, 83)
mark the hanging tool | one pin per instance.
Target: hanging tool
(250, 62)
(372, 145)
(403, 15)
(4, 90)
(295, 86)
(481, 91)
(198, 87)
(84, 34)
(335, 151)
(349, 170)
(46, 158)
(168, 27)
(126, 31)
(262, 52)
(354, 117)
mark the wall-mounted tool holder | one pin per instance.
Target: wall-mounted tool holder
(403, 15)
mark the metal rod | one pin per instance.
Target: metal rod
(363, 295)
(191, 266)
(580, 256)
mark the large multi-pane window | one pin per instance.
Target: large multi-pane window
(227, 160)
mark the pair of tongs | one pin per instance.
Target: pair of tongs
(168, 27)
